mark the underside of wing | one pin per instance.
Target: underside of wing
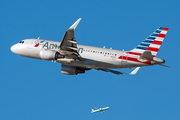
(68, 46)
(117, 72)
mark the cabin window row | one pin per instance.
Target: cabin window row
(106, 53)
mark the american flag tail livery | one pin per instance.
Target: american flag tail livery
(146, 51)
(152, 43)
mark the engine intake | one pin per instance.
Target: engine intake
(71, 70)
(50, 55)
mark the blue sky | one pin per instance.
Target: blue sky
(35, 89)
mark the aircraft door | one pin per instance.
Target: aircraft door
(80, 50)
(124, 58)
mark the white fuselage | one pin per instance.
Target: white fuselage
(93, 57)
(76, 59)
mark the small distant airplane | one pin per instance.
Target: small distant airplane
(99, 110)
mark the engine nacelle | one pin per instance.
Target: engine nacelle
(71, 70)
(50, 54)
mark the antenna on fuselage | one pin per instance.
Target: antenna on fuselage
(104, 47)
(38, 38)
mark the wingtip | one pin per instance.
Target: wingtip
(73, 27)
(134, 71)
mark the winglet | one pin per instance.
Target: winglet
(134, 71)
(75, 24)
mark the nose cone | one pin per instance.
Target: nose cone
(16, 49)
(12, 48)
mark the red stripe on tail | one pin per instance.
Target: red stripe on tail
(157, 42)
(152, 49)
(161, 35)
(166, 29)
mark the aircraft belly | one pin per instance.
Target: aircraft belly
(99, 61)
(86, 63)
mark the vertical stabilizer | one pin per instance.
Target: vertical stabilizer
(152, 43)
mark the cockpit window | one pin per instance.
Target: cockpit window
(21, 42)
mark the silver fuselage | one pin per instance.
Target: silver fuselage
(93, 57)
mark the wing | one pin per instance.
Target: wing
(68, 46)
(117, 72)
(96, 107)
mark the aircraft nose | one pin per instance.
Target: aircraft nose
(12, 48)
(16, 49)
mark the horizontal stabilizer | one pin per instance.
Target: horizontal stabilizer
(146, 55)
(164, 65)
(117, 72)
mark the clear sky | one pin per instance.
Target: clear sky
(33, 89)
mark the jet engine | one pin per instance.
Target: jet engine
(50, 55)
(71, 70)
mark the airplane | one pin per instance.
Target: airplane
(76, 59)
(99, 110)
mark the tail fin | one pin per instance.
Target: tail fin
(152, 43)
(92, 110)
